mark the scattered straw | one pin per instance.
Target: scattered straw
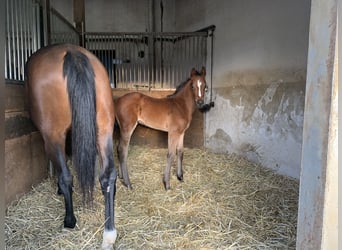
(225, 202)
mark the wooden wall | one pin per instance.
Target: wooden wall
(25, 161)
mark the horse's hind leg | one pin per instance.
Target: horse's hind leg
(56, 153)
(107, 178)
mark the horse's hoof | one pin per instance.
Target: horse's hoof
(180, 177)
(129, 186)
(59, 191)
(166, 186)
(70, 222)
(109, 238)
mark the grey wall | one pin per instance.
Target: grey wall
(128, 15)
(260, 55)
(116, 16)
(65, 7)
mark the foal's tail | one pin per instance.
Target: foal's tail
(82, 96)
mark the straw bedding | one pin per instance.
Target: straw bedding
(225, 202)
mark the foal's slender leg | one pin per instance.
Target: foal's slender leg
(180, 158)
(172, 146)
(125, 137)
(108, 185)
(65, 182)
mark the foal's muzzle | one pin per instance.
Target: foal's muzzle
(205, 107)
(199, 103)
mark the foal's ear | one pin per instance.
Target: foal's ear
(193, 72)
(203, 72)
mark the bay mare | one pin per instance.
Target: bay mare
(68, 89)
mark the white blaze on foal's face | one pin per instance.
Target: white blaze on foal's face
(199, 83)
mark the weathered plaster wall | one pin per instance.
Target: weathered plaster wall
(260, 56)
(317, 226)
(261, 122)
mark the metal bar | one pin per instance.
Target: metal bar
(8, 44)
(21, 45)
(13, 43)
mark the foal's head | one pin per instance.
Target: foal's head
(198, 86)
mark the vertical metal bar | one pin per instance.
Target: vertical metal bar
(25, 33)
(129, 62)
(30, 14)
(119, 56)
(129, 51)
(117, 66)
(139, 59)
(123, 57)
(13, 41)
(34, 30)
(112, 55)
(169, 62)
(123, 71)
(21, 44)
(172, 62)
(110, 59)
(129, 59)
(176, 61)
(8, 42)
(114, 65)
(17, 21)
(134, 58)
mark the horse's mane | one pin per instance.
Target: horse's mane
(181, 86)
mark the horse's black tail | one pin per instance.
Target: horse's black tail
(82, 96)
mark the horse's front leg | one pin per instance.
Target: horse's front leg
(108, 185)
(166, 178)
(179, 164)
(172, 147)
(180, 158)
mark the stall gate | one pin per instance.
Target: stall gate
(23, 35)
(149, 60)
(139, 61)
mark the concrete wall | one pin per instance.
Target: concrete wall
(260, 56)
(115, 16)
(122, 15)
(25, 160)
(317, 226)
(129, 15)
